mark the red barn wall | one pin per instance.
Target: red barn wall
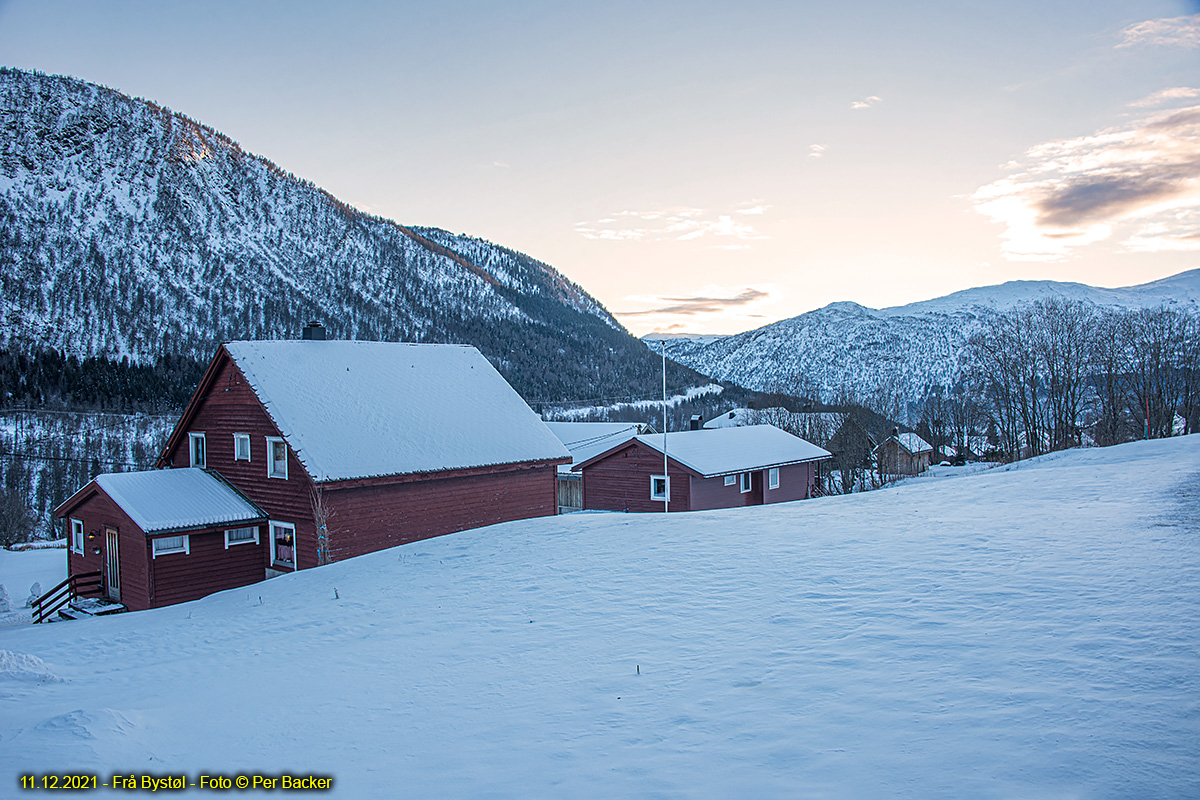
(379, 514)
(621, 482)
(232, 407)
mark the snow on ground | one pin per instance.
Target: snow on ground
(20, 570)
(1023, 633)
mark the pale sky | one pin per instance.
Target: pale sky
(697, 166)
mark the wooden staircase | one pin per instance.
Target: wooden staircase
(77, 596)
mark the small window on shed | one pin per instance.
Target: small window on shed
(730, 480)
(745, 482)
(660, 488)
(241, 536)
(169, 544)
(199, 453)
(77, 536)
(276, 458)
(241, 447)
(773, 478)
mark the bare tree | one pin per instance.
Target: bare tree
(322, 513)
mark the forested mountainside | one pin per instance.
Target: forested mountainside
(131, 231)
(846, 351)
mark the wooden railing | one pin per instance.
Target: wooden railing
(85, 584)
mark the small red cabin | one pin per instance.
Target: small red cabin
(163, 537)
(350, 447)
(706, 469)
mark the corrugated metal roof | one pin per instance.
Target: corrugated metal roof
(365, 409)
(177, 499)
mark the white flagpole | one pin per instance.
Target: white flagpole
(666, 475)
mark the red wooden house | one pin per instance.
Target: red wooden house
(163, 537)
(395, 442)
(706, 469)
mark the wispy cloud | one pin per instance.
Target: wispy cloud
(692, 306)
(816, 150)
(1180, 31)
(673, 224)
(1075, 192)
(500, 164)
(1166, 96)
(867, 102)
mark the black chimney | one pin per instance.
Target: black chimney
(694, 424)
(315, 332)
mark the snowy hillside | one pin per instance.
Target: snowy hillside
(848, 348)
(130, 230)
(1025, 632)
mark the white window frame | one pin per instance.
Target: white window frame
(192, 439)
(229, 544)
(660, 497)
(773, 478)
(240, 439)
(730, 480)
(271, 442)
(746, 484)
(155, 551)
(271, 526)
(78, 539)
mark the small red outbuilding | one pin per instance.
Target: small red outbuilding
(163, 537)
(706, 469)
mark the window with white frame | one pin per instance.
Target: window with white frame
(165, 545)
(745, 482)
(730, 480)
(660, 488)
(76, 536)
(773, 478)
(198, 450)
(283, 544)
(241, 447)
(276, 458)
(241, 536)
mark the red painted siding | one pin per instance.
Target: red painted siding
(98, 513)
(230, 406)
(621, 482)
(373, 517)
(208, 567)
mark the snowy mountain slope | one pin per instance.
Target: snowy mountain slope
(129, 230)
(846, 349)
(1027, 632)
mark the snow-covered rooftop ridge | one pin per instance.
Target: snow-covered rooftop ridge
(724, 451)
(913, 443)
(364, 409)
(587, 439)
(177, 499)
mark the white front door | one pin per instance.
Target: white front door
(112, 564)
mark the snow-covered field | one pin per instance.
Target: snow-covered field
(1029, 633)
(19, 571)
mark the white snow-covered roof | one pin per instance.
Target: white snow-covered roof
(724, 451)
(365, 409)
(587, 439)
(738, 417)
(911, 442)
(177, 499)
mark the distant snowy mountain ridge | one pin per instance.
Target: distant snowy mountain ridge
(846, 350)
(130, 230)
